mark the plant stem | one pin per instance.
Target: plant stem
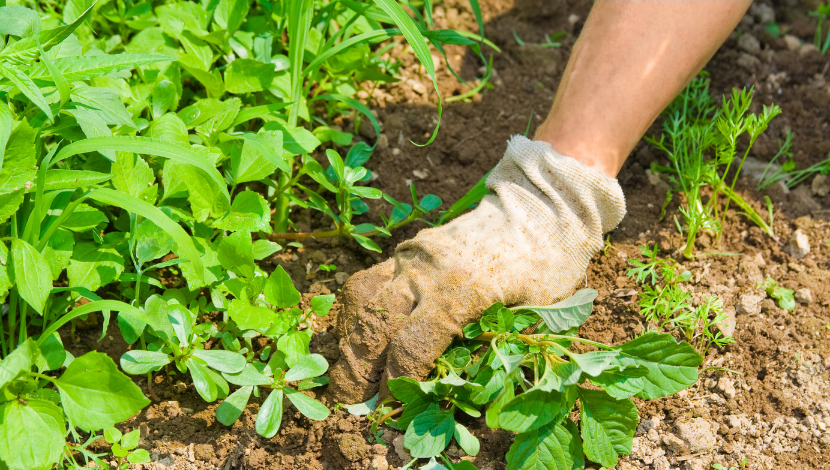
(390, 414)
(533, 339)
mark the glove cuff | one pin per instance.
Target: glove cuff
(573, 201)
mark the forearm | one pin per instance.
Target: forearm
(631, 59)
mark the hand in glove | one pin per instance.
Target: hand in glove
(528, 243)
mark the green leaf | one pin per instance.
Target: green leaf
(229, 14)
(269, 417)
(132, 175)
(23, 50)
(93, 266)
(84, 218)
(203, 381)
(311, 408)
(210, 79)
(107, 103)
(112, 435)
(23, 83)
(491, 381)
(309, 366)
(139, 456)
(321, 304)
(545, 448)
(236, 254)
(467, 441)
(672, 367)
(505, 320)
(608, 426)
(31, 435)
(280, 291)
(223, 361)
(144, 145)
(265, 248)
(52, 354)
(130, 440)
(248, 76)
(95, 395)
(415, 408)
(19, 21)
(268, 144)
(250, 317)
(248, 376)
(567, 314)
(138, 362)
(595, 362)
(19, 361)
(294, 345)
(232, 407)
(31, 273)
(622, 382)
(429, 433)
(76, 69)
(534, 409)
(249, 211)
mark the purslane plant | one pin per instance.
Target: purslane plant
(529, 383)
(701, 143)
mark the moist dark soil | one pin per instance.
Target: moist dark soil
(772, 409)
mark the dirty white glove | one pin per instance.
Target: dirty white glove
(528, 243)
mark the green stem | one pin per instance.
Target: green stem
(12, 319)
(24, 309)
(41, 376)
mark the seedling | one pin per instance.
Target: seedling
(530, 383)
(784, 296)
(666, 304)
(701, 143)
(822, 13)
(327, 267)
(124, 447)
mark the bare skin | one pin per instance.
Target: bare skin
(631, 59)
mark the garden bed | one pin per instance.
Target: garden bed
(773, 412)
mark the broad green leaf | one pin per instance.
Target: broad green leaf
(169, 128)
(31, 434)
(415, 408)
(184, 243)
(321, 304)
(93, 125)
(250, 317)
(280, 291)
(229, 14)
(429, 433)
(23, 50)
(130, 440)
(95, 306)
(143, 145)
(294, 345)
(269, 145)
(132, 174)
(182, 320)
(232, 407)
(19, 361)
(249, 211)
(19, 21)
(621, 384)
(178, 17)
(130, 325)
(248, 76)
(6, 123)
(151, 242)
(203, 381)
(93, 266)
(594, 362)
(494, 407)
(265, 248)
(164, 97)
(138, 362)
(671, 366)
(19, 158)
(269, 417)
(248, 376)
(223, 361)
(545, 448)
(249, 164)
(31, 273)
(52, 354)
(467, 441)
(95, 395)
(236, 253)
(567, 314)
(210, 79)
(608, 426)
(526, 412)
(295, 140)
(311, 408)
(23, 83)
(309, 366)
(106, 102)
(491, 381)
(84, 218)
(363, 409)
(112, 435)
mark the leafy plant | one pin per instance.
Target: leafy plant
(124, 447)
(701, 143)
(821, 13)
(784, 296)
(664, 303)
(529, 383)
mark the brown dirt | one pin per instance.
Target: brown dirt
(775, 412)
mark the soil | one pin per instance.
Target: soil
(773, 409)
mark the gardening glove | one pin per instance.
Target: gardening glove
(528, 243)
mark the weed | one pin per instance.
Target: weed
(529, 384)
(784, 296)
(666, 304)
(821, 13)
(701, 143)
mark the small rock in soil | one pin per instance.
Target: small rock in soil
(792, 42)
(625, 292)
(807, 48)
(762, 13)
(748, 61)
(799, 245)
(379, 463)
(727, 386)
(341, 277)
(749, 43)
(352, 446)
(768, 305)
(820, 185)
(749, 304)
(662, 463)
(727, 327)
(804, 296)
(698, 434)
(675, 444)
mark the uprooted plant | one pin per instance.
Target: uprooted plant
(529, 383)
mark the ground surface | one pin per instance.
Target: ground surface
(776, 413)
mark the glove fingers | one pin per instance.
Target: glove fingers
(356, 375)
(418, 343)
(359, 290)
